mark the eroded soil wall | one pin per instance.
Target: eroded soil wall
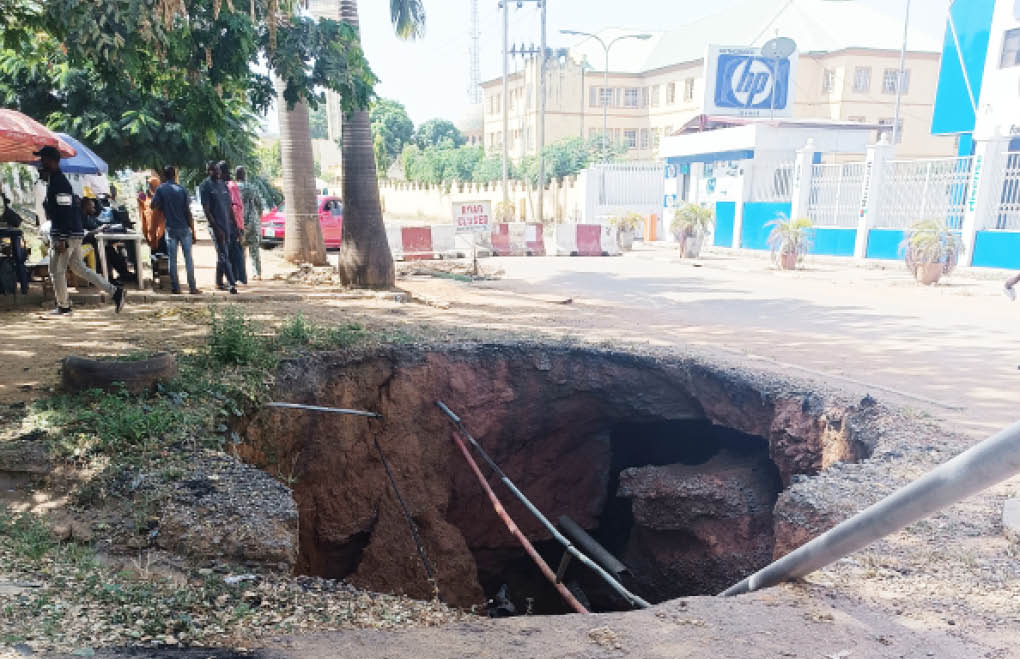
(552, 419)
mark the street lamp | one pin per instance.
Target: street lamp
(605, 99)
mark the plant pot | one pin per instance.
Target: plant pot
(788, 261)
(691, 245)
(626, 239)
(928, 273)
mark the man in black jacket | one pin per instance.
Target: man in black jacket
(216, 205)
(66, 233)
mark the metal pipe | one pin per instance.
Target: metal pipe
(504, 101)
(982, 466)
(516, 532)
(616, 585)
(591, 546)
(332, 410)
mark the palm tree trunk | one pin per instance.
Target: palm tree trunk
(302, 241)
(365, 257)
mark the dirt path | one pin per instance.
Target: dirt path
(946, 351)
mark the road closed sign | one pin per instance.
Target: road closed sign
(472, 216)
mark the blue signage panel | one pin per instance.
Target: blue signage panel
(971, 20)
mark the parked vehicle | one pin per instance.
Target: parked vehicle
(331, 219)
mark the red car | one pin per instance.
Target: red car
(331, 218)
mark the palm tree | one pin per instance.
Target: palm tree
(302, 241)
(365, 257)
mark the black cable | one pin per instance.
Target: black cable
(410, 520)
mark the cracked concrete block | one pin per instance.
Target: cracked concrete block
(1011, 520)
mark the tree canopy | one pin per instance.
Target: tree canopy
(391, 130)
(438, 132)
(145, 82)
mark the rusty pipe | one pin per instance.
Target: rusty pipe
(516, 532)
(553, 531)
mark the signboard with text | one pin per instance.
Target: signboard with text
(472, 216)
(745, 83)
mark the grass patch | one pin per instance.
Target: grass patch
(29, 537)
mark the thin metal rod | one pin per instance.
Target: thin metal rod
(512, 527)
(505, 101)
(410, 521)
(331, 410)
(982, 466)
(608, 578)
(899, 78)
(592, 546)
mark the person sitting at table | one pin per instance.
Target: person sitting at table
(116, 260)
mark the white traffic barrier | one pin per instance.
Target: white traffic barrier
(586, 240)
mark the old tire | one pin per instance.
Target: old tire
(81, 374)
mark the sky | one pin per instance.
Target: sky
(430, 76)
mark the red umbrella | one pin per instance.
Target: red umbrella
(21, 135)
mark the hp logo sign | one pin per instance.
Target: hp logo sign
(751, 82)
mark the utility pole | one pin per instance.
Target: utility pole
(899, 79)
(541, 116)
(475, 57)
(504, 99)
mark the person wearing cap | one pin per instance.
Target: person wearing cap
(66, 234)
(216, 205)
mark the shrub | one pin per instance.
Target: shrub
(629, 222)
(233, 338)
(931, 241)
(790, 236)
(692, 219)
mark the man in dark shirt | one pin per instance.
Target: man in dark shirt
(172, 200)
(66, 233)
(216, 204)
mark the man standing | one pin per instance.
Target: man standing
(216, 204)
(252, 203)
(66, 233)
(236, 251)
(172, 200)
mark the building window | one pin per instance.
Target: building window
(887, 129)
(671, 93)
(593, 133)
(862, 79)
(1010, 49)
(630, 139)
(828, 81)
(655, 96)
(605, 96)
(644, 138)
(644, 97)
(631, 97)
(857, 119)
(689, 89)
(593, 100)
(494, 104)
(889, 81)
(667, 131)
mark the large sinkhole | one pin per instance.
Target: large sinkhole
(673, 466)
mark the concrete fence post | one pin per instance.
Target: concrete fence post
(800, 186)
(985, 182)
(875, 174)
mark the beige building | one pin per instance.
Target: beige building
(847, 70)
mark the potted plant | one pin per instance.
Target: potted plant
(789, 240)
(625, 226)
(930, 250)
(691, 223)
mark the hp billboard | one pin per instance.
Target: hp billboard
(745, 83)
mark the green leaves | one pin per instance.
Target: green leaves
(146, 83)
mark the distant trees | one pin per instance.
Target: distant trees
(444, 163)
(391, 130)
(438, 133)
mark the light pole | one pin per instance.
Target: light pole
(604, 99)
(900, 73)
